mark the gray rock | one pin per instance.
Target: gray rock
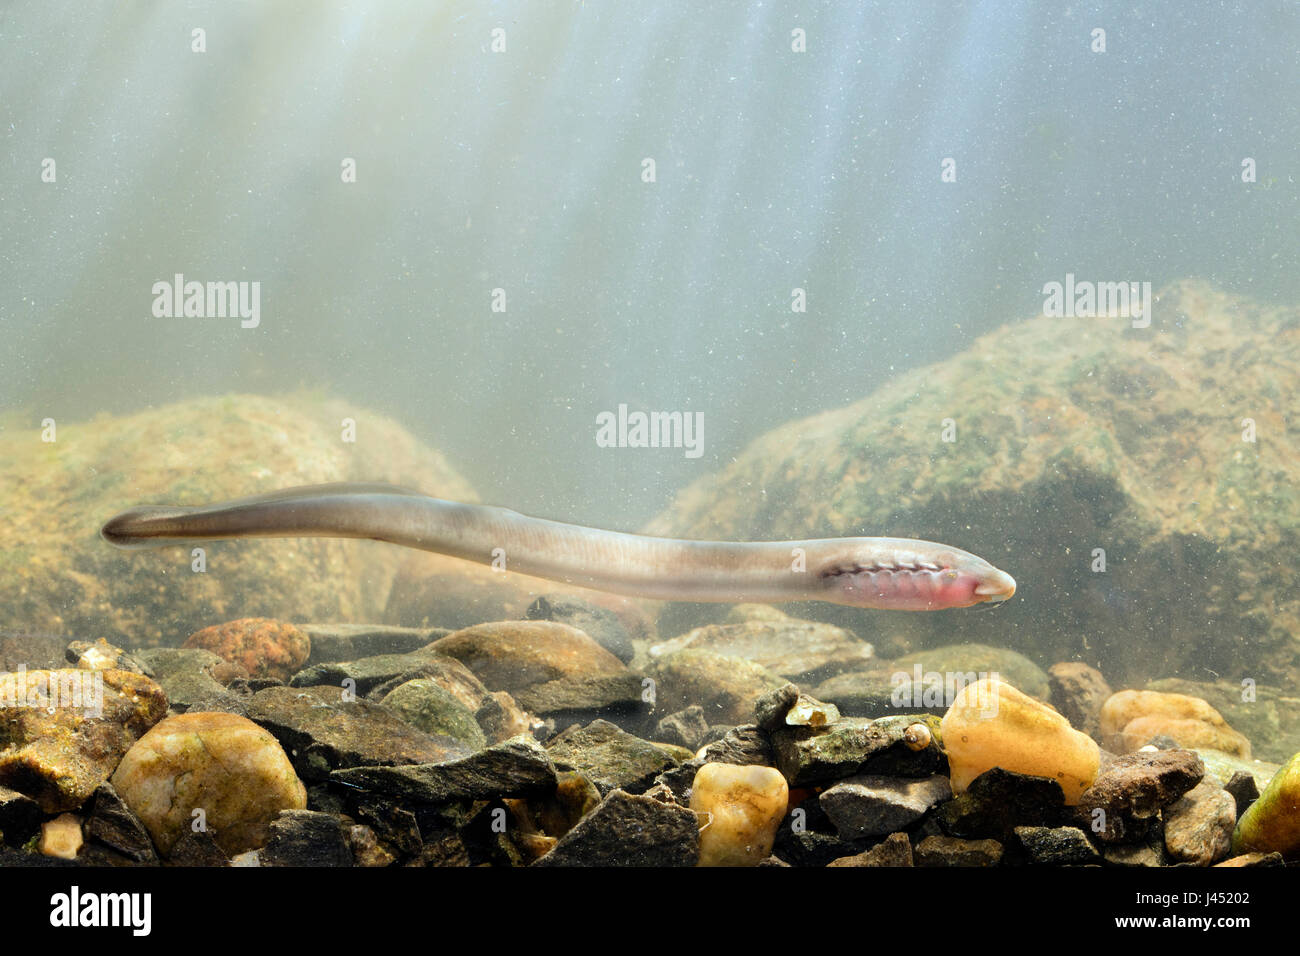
(1244, 790)
(609, 757)
(686, 728)
(940, 850)
(744, 746)
(1131, 789)
(726, 687)
(852, 745)
(349, 642)
(1198, 827)
(428, 706)
(629, 830)
(799, 650)
(519, 767)
(185, 675)
(112, 824)
(367, 673)
(1077, 691)
(580, 697)
(307, 838)
(894, 850)
(972, 662)
(771, 708)
(997, 801)
(321, 732)
(1057, 846)
(869, 805)
(600, 624)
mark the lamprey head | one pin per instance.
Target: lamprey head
(902, 574)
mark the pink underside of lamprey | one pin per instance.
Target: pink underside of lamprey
(906, 590)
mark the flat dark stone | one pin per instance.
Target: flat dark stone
(609, 757)
(348, 642)
(629, 830)
(518, 767)
(306, 838)
(112, 824)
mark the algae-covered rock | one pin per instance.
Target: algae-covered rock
(1272, 824)
(222, 764)
(991, 724)
(1071, 435)
(56, 573)
(609, 757)
(427, 706)
(63, 731)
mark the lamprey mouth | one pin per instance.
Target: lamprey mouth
(998, 586)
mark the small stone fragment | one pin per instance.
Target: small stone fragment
(1254, 859)
(1078, 692)
(867, 805)
(894, 850)
(61, 837)
(1131, 789)
(992, 724)
(306, 838)
(953, 851)
(221, 764)
(102, 656)
(630, 830)
(20, 817)
(687, 728)
(609, 756)
(743, 805)
(113, 825)
(263, 646)
(1057, 846)
(1198, 827)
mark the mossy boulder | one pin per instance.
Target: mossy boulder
(1071, 435)
(56, 574)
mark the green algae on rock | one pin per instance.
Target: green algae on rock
(63, 731)
(232, 770)
(56, 574)
(1071, 425)
(1272, 824)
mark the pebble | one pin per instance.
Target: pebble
(223, 764)
(306, 838)
(726, 687)
(795, 649)
(1078, 692)
(740, 808)
(1057, 846)
(941, 850)
(1198, 827)
(61, 837)
(630, 830)
(263, 646)
(1131, 790)
(427, 706)
(992, 724)
(609, 757)
(349, 642)
(1132, 717)
(869, 805)
(516, 768)
(513, 655)
(894, 850)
